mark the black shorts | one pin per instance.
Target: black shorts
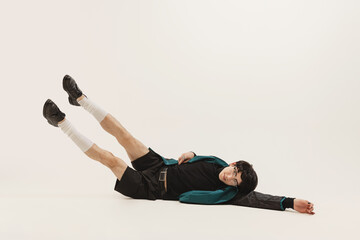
(144, 182)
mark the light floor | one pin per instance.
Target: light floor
(113, 216)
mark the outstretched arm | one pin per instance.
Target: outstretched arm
(267, 201)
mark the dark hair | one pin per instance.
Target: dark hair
(248, 176)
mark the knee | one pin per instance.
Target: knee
(108, 159)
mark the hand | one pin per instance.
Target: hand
(303, 206)
(185, 157)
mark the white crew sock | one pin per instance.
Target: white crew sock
(92, 108)
(80, 140)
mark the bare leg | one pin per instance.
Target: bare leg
(116, 165)
(133, 147)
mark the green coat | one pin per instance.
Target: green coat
(206, 197)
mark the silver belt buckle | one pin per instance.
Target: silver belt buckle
(162, 175)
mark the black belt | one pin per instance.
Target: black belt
(162, 179)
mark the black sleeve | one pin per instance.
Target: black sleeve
(261, 200)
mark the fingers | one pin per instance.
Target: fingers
(304, 206)
(310, 208)
(181, 159)
(311, 212)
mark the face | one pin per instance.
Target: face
(230, 176)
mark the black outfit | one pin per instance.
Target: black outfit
(199, 175)
(144, 182)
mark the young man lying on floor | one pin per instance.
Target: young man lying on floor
(190, 179)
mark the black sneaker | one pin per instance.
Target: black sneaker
(52, 113)
(72, 89)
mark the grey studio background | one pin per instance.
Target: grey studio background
(275, 83)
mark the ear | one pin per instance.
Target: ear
(233, 164)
